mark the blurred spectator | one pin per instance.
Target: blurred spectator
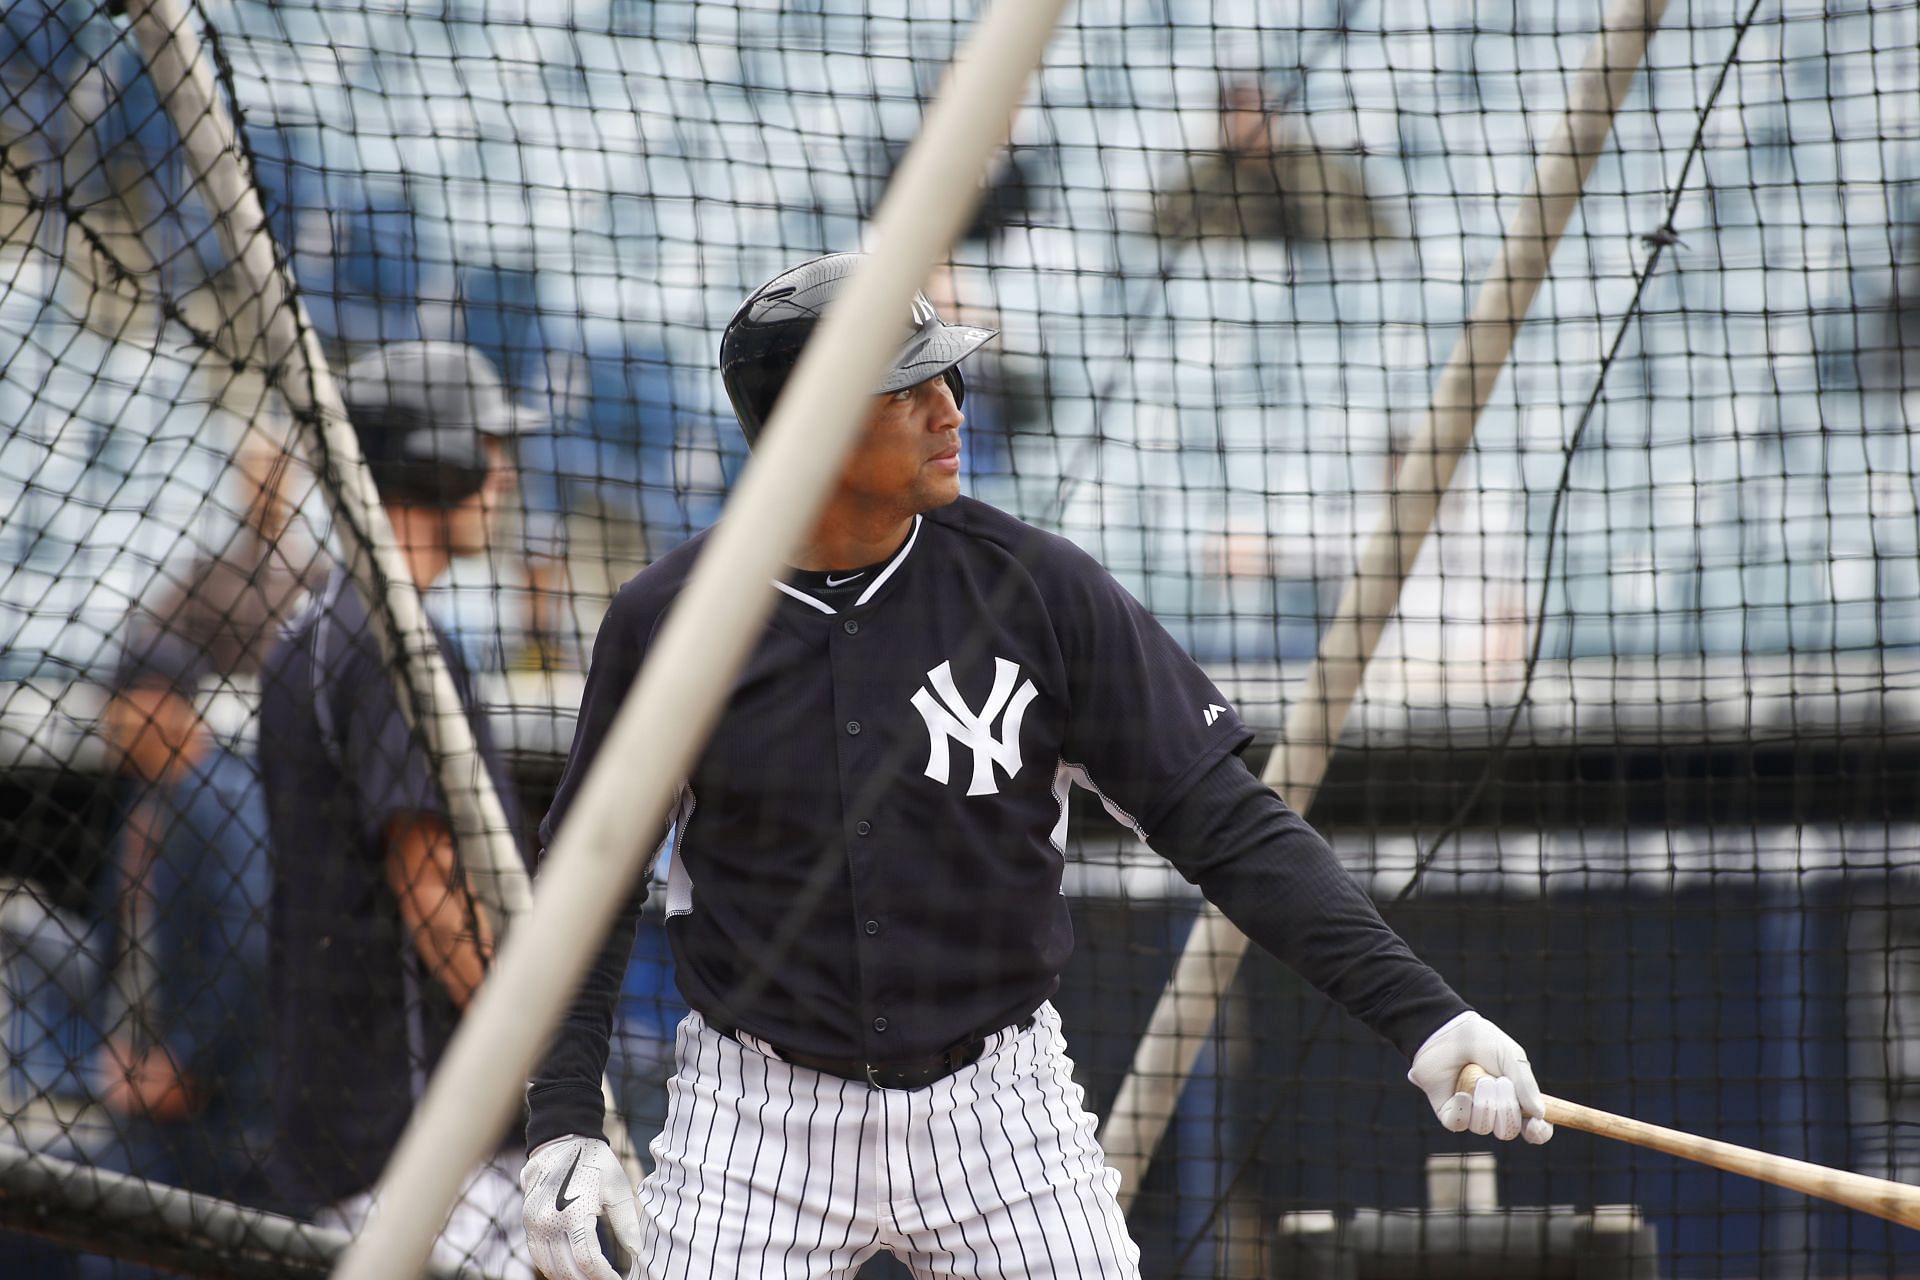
(230, 603)
(152, 1005)
(184, 1065)
(1268, 180)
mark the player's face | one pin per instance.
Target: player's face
(909, 455)
(470, 523)
(469, 526)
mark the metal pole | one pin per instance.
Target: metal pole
(272, 330)
(1184, 1016)
(148, 1222)
(708, 635)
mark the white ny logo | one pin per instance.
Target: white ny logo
(956, 720)
(922, 310)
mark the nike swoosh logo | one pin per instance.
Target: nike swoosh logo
(561, 1199)
(841, 582)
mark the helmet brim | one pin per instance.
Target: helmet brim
(931, 351)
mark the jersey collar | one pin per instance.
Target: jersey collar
(873, 588)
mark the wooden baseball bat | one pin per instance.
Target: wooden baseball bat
(1894, 1201)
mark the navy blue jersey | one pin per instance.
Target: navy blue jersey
(358, 1022)
(868, 853)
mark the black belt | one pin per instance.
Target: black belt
(917, 1074)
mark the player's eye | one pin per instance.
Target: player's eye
(904, 394)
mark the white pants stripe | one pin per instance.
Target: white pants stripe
(769, 1169)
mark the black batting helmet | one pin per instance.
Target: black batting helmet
(423, 412)
(763, 340)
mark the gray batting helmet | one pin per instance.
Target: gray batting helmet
(763, 341)
(423, 411)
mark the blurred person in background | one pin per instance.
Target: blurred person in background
(230, 603)
(144, 1017)
(1269, 179)
(184, 1065)
(378, 943)
(437, 379)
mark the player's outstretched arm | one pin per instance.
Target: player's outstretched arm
(563, 1097)
(1269, 872)
(1276, 878)
(572, 1178)
(570, 1184)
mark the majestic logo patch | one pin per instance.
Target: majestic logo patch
(948, 717)
(1213, 712)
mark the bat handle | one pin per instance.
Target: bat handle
(1557, 1112)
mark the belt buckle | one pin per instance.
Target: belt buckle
(872, 1079)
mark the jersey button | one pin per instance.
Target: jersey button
(851, 627)
(863, 828)
(879, 1024)
(853, 726)
(873, 927)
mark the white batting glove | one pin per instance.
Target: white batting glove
(569, 1184)
(1505, 1103)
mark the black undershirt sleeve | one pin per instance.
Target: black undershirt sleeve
(1277, 879)
(564, 1095)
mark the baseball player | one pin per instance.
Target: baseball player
(864, 903)
(376, 942)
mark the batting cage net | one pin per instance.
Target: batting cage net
(1633, 764)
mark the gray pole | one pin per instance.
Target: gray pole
(148, 1222)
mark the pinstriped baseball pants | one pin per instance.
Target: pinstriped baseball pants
(769, 1169)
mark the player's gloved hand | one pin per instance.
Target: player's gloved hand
(1505, 1103)
(569, 1184)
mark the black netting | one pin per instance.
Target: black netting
(1633, 766)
